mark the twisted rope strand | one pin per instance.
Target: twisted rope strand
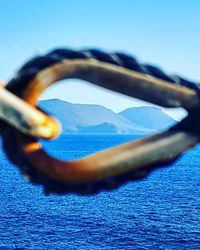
(30, 69)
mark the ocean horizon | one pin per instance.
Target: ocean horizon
(158, 212)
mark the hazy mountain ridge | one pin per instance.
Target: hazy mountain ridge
(152, 117)
(89, 118)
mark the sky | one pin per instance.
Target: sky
(164, 33)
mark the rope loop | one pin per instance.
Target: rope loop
(108, 169)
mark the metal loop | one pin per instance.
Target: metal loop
(112, 167)
(25, 118)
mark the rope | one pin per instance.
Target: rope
(30, 69)
(28, 152)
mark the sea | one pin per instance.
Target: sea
(159, 212)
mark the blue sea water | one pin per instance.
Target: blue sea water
(160, 212)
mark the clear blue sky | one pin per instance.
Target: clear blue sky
(165, 33)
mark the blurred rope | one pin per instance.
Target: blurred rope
(110, 168)
(30, 69)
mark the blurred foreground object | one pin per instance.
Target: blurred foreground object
(109, 168)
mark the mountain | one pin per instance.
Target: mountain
(149, 117)
(89, 118)
(102, 128)
(86, 118)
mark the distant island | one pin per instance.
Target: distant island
(90, 118)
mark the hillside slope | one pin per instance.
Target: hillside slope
(79, 118)
(149, 117)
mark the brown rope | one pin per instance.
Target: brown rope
(109, 168)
